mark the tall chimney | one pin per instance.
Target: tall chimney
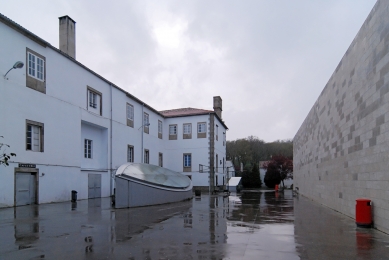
(67, 36)
(217, 106)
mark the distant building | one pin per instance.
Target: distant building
(71, 128)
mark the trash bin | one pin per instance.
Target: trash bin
(198, 193)
(74, 196)
(363, 216)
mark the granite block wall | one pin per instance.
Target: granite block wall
(341, 151)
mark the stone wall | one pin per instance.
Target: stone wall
(341, 151)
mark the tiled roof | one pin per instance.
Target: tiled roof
(188, 111)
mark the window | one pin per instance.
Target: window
(130, 153)
(94, 101)
(217, 163)
(201, 168)
(217, 132)
(146, 157)
(224, 138)
(187, 162)
(34, 136)
(36, 66)
(201, 130)
(130, 115)
(88, 148)
(187, 131)
(223, 165)
(172, 132)
(159, 129)
(146, 122)
(160, 159)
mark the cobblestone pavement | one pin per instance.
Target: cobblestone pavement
(253, 225)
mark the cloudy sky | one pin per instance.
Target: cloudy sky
(268, 59)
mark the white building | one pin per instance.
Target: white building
(71, 128)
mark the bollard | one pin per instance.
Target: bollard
(363, 216)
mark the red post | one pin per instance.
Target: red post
(276, 187)
(363, 216)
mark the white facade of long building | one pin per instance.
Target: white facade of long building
(71, 128)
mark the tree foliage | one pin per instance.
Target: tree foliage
(251, 150)
(251, 179)
(278, 169)
(4, 156)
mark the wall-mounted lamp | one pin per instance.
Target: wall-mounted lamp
(17, 65)
(144, 125)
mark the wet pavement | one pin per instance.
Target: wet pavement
(262, 225)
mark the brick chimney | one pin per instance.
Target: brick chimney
(67, 36)
(217, 106)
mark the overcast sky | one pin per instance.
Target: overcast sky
(267, 59)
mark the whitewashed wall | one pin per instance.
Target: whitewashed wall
(67, 122)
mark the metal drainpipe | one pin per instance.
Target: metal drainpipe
(110, 144)
(209, 175)
(142, 122)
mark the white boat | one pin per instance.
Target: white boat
(139, 184)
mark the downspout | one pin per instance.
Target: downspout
(142, 122)
(110, 144)
(212, 152)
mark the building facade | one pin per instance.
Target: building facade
(71, 128)
(341, 150)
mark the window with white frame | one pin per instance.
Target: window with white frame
(172, 132)
(187, 131)
(187, 128)
(146, 158)
(172, 129)
(88, 148)
(94, 100)
(159, 129)
(201, 127)
(34, 136)
(130, 115)
(201, 130)
(187, 163)
(146, 122)
(35, 71)
(36, 67)
(130, 153)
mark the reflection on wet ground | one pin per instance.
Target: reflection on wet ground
(255, 225)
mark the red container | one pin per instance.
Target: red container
(363, 213)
